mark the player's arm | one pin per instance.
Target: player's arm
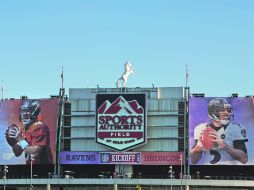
(36, 146)
(23, 145)
(238, 151)
(28, 149)
(13, 136)
(196, 152)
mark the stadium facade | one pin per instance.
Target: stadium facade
(161, 140)
(118, 138)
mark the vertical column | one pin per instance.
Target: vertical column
(186, 130)
(59, 131)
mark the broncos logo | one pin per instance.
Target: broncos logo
(129, 69)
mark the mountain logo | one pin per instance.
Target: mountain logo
(121, 120)
(121, 106)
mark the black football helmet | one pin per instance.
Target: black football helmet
(29, 110)
(218, 105)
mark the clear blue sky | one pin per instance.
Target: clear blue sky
(92, 39)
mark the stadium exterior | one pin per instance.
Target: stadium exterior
(94, 151)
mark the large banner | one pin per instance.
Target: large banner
(221, 131)
(162, 158)
(120, 158)
(28, 127)
(125, 158)
(79, 158)
(121, 120)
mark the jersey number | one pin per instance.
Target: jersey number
(216, 157)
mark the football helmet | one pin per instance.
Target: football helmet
(216, 106)
(29, 110)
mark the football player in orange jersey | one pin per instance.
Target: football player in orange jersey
(33, 137)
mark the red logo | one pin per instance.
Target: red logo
(121, 122)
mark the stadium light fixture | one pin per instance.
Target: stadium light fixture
(181, 173)
(31, 179)
(5, 174)
(171, 175)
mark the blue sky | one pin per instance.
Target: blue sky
(92, 39)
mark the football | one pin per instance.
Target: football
(207, 139)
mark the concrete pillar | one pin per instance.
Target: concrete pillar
(187, 187)
(115, 186)
(48, 187)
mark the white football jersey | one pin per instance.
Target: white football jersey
(229, 134)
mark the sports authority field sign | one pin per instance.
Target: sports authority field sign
(121, 120)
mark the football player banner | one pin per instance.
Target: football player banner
(121, 120)
(28, 127)
(221, 131)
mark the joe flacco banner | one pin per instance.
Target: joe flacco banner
(231, 119)
(121, 120)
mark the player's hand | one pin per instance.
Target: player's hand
(199, 143)
(14, 132)
(199, 146)
(217, 139)
(11, 134)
